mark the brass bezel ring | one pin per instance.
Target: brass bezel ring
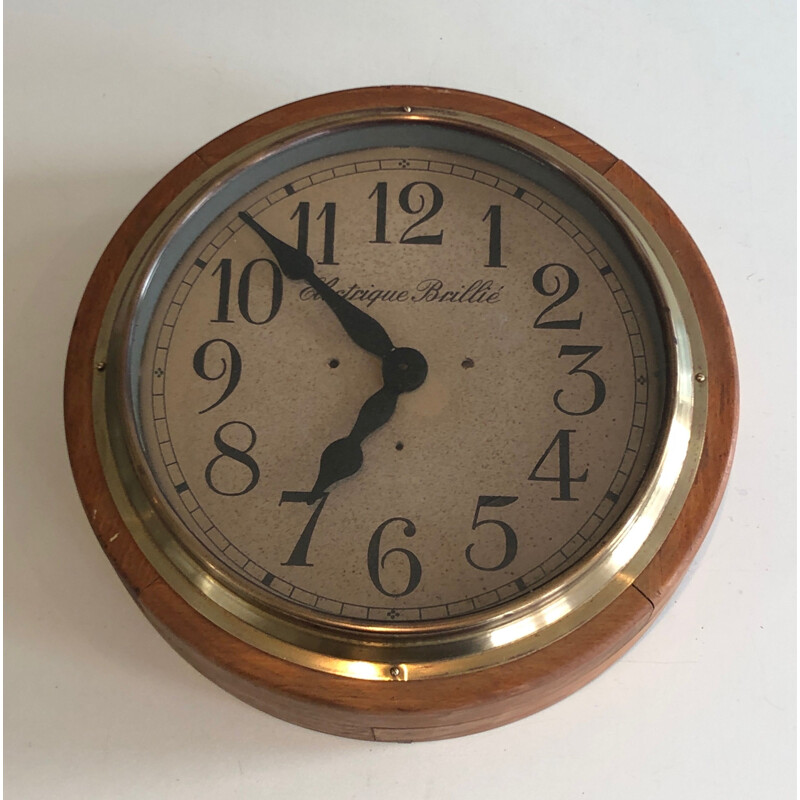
(442, 648)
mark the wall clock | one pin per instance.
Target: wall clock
(401, 411)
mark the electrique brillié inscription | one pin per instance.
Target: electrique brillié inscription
(429, 290)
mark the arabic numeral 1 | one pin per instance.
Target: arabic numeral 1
(495, 238)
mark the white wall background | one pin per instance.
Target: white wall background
(102, 98)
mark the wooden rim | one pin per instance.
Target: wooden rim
(439, 707)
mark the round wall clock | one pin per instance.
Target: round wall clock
(401, 411)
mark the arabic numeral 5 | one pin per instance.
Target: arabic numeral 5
(509, 536)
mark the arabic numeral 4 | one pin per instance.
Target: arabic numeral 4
(557, 455)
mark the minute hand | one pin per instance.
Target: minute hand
(365, 331)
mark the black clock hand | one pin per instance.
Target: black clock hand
(365, 331)
(344, 457)
(404, 370)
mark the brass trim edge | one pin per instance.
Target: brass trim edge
(485, 639)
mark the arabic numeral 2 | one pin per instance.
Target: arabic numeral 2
(548, 281)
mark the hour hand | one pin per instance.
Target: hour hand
(404, 370)
(365, 331)
(344, 457)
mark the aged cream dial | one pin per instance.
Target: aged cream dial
(539, 414)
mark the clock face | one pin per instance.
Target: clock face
(515, 457)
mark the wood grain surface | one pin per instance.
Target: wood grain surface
(440, 707)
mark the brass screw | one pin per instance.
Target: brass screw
(407, 109)
(394, 672)
(100, 366)
(700, 377)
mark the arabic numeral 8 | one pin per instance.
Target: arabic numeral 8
(239, 455)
